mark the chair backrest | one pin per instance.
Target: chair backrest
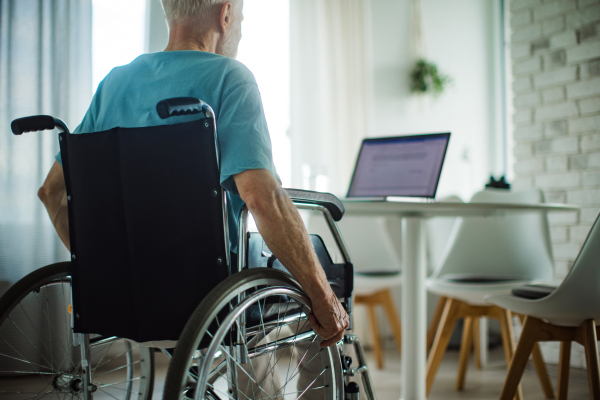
(581, 287)
(439, 231)
(512, 245)
(367, 238)
(146, 226)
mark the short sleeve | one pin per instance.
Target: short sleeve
(87, 124)
(243, 134)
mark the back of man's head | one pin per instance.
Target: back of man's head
(175, 9)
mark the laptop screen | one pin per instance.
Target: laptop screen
(407, 166)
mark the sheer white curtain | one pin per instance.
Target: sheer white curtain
(45, 68)
(330, 90)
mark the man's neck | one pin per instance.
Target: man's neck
(184, 38)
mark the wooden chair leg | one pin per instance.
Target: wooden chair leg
(520, 357)
(477, 343)
(564, 366)
(375, 331)
(508, 338)
(441, 340)
(591, 357)
(435, 321)
(392, 315)
(465, 352)
(540, 367)
(542, 371)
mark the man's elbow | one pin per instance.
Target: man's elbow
(43, 194)
(265, 201)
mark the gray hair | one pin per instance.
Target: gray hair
(175, 9)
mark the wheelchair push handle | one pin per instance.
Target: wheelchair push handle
(37, 123)
(179, 106)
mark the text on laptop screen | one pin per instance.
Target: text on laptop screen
(400, 166)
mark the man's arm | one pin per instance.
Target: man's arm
(53, 194)
(283, 231)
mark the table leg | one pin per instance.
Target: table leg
(413, 313)
(483, 342)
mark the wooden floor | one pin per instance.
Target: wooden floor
(480, 385)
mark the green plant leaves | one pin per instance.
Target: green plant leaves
(425, 78)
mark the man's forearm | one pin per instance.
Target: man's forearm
(56, 205)
(284, 232)
(53, 194)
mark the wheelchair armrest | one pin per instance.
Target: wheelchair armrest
(327, 200)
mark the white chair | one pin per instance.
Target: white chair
(377, 270)
(486, 256)
(438, 231)
(569, 313)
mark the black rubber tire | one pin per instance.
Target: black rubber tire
(40, 277)
(185, 344)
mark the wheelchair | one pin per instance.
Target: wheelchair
(151, 267)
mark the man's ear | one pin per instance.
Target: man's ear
(225, 17)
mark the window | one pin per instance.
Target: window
(265, 50)
(118, 35)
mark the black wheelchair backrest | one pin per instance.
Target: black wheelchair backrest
(146, 227)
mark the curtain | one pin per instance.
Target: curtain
(330, 90)
(45, 68)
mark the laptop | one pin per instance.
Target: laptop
(399, 168)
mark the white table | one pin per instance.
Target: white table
(413, 314)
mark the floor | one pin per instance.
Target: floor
(481, 385)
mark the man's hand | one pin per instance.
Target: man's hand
(329, 320)
(284, 232)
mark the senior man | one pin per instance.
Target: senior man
(199, 61)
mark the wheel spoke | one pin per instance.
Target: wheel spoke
(276, 341)
(44, 388)
(25, 336)
(118, 368)
(49, 328)
(25, 361)
(242, 368)
(68, 331)
(243, 338)
(222, 392)
(293, 348)
(118, 383)
(292, 393)
(33, 326)
(114, 358)
(42, 306)
(102, 390)
(312, 383)
(226, 394)
(262, 323)
(102, 358)
(301, 369)
(30, 373)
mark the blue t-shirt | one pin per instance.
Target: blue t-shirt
(128, 95)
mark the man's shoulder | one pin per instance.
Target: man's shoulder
(173, 61)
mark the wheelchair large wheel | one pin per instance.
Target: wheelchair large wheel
(250, 339)
(37, 355)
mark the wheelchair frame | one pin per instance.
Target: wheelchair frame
(187, 106)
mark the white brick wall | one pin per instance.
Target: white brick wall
(556, 77)
(555, 54)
